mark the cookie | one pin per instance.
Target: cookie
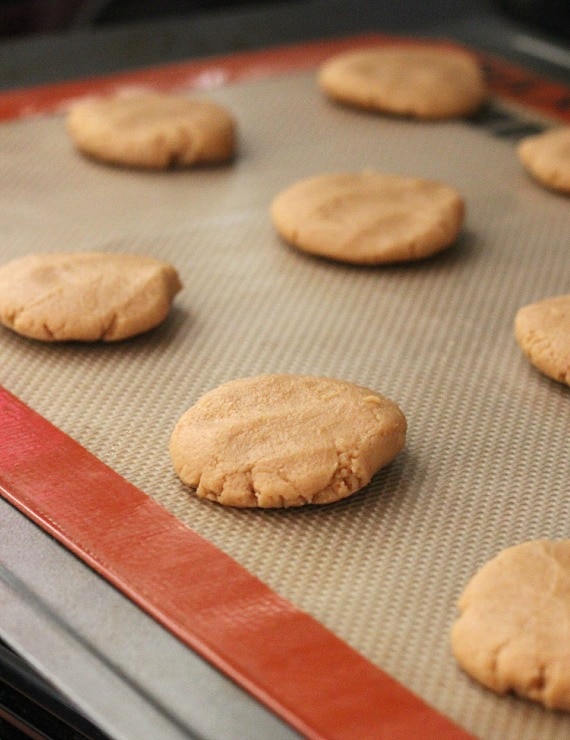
(85, 296)
(546, 157)
(424, 82)
(368, 217)
(542, 330)
(512, 633)
(285, 440)
(152, 130)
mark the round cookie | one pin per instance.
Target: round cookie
(152, 130)
(542, 330)
(368, 217)
(85, 296)
(285, 440)
(425, 82)
(546, 157)
(512, 634)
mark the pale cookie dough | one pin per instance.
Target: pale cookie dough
(152, 130)
(542, 330)
(425, 82)
(85, 296)
(285, 440)
(546, 157)
(368, 217)
(512, 634)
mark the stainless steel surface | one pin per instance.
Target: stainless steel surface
(125, 672)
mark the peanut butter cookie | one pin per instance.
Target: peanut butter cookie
(85, 296)
(368, 217)
(285, 440)
(152, 130)
(542, 330)
(546, 157)
(512, 634)
(425, 82)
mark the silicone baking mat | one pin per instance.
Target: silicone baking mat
(487, 458)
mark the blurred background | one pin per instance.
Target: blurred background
(48, 40)
(31, 17)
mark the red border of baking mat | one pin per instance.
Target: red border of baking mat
(506, 81)
(281, 655)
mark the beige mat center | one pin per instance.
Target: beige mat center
(487, 459)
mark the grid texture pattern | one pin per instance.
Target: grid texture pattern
(487, 459)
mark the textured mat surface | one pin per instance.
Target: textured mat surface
(487, 459)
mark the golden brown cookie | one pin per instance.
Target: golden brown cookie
(546, 157)
(542, 330)
(285, 440)
(425, 82)
(512, 634)
(85, 296)
(368, 217)
(152, 130)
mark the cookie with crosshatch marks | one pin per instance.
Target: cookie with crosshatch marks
(546, 157)
(285, 440)
(421, 81)
(368, 217)
(512, 632)
(152, 130)
(85, 296)
(542, 330)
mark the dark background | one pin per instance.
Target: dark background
(29, 17)
(44, 41)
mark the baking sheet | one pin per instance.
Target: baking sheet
(486, 463)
